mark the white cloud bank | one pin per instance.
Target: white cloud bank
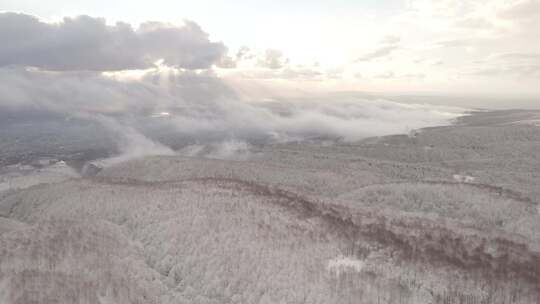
(58, 68)
(201, 104)
(131, 143)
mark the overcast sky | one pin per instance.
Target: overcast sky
(467, 47)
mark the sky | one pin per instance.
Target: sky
(239, 71)
(441, 47)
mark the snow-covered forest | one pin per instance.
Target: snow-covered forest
(441, 215)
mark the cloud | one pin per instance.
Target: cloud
(272, 59)
(66, 78)
(244, 53)
(130, 142)
(230, 149)
(94, 93)
(424, 60)
(406, 76)
(474, 23)
(413, 76)
(386, 75)
(382, 51)
(272, 64)
(522, 65)
(522, 71)
(227, 62)
(335, 73)
(460, 42)
(521, 9)
(86, 43)
(202, 107)
(391, 39)
(520, 56)
(300, 73)
(285, 73)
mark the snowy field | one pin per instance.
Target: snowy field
(440, 215)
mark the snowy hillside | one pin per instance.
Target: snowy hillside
(442, 215)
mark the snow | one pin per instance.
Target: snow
(343, 263)
(290, 223)
(531, 122)
(463, 178)
(24, 176)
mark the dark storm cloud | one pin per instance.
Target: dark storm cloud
(86, 43)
